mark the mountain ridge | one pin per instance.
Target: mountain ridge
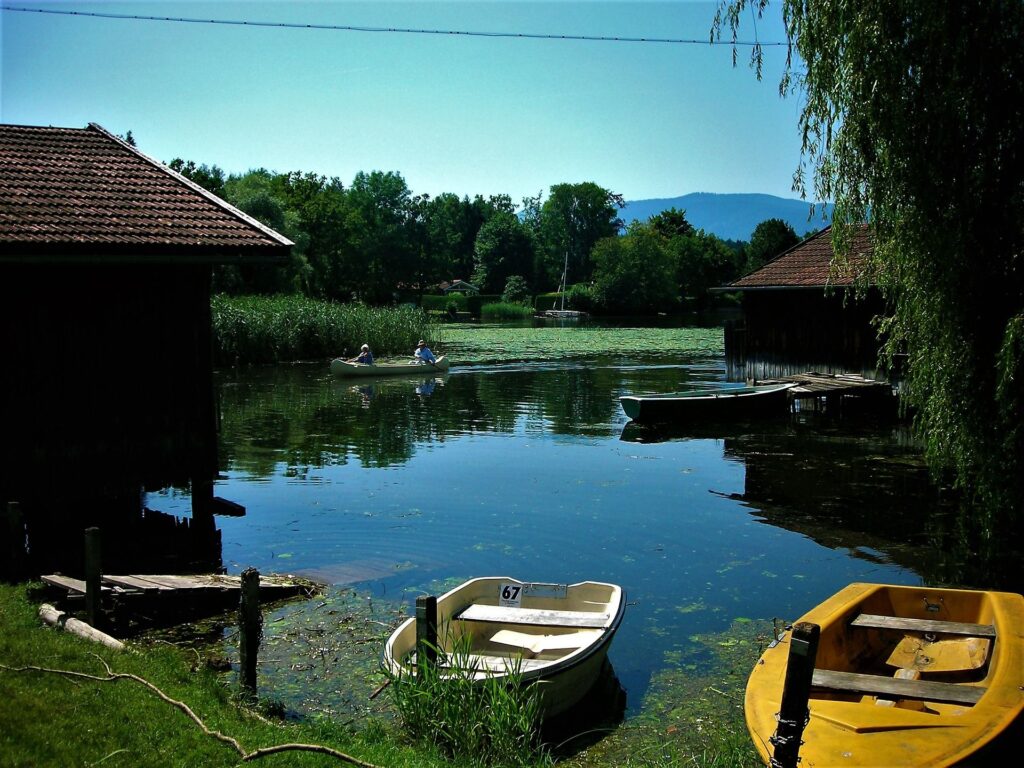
(732, 216)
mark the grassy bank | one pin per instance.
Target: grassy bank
(47, 719)
(271, 329)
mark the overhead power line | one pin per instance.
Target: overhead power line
(400, 30)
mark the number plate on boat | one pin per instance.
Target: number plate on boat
(510, 595)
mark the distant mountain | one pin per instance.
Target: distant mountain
(731, 217)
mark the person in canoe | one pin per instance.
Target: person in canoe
(423, 353)
(365, 356)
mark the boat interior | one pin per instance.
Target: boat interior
(909, 649)
(550, 623)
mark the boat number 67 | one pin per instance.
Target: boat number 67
(511, 594)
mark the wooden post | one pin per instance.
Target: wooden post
(426, 631)
(16, 532)
(793, 714)
(93, 594)
(250, 626)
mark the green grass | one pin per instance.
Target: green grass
(50, 720)
(270, 329)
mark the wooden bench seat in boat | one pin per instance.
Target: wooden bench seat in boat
(542, 643)
(870, 621)
(896, 687)
(498, 614)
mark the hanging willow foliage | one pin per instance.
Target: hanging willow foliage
(911, 119)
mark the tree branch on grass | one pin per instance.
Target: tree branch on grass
(246, 755)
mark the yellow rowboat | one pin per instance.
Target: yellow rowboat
(904, 676)
(555, 634)
(340, 367)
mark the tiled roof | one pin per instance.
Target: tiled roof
(807, 264)
(69, 191)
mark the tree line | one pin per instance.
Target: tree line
(375, 241)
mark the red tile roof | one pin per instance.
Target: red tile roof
(69, 192)
(807, 264)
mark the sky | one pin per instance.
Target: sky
(450, 113)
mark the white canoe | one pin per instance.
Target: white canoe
(341, 367)
(557, 634)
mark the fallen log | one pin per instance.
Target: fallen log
(57, 618)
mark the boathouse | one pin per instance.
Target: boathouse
(801, 313)
(106, 259)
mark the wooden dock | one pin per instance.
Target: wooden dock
(200, 586)
(831, 389)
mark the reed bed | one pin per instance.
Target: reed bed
(490, 721)
(274, 329)
(505, 310)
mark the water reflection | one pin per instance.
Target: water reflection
(530, 471)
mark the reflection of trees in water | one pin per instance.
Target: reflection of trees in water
(870, 495)
(298, 416)
(859, 486)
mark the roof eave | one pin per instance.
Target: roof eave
(104, 253)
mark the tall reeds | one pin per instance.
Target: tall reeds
(271, 329)
(492, 721)
(505, 310)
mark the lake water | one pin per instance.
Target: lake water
(384, 489)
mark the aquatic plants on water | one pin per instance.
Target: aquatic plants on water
(501, 343)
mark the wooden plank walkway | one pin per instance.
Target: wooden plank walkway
(813, 384)
(272, 586)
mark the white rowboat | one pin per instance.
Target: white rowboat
(557, 634)
(342, 367)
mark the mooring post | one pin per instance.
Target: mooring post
(796, 691)
(16, 532)
(250, 628)
(426, 631)
(93, 596)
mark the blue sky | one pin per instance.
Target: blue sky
(469, 115)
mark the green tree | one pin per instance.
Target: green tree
(635, 273)
(703, 261)
(385, 239)
(516, 290)
(572, 220)
(911, 117)
(769, 238)
(672, 223)
(504, 247)
(209, 177)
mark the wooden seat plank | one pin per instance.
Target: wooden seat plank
(498, 614)
(870, 621)
(895, 687)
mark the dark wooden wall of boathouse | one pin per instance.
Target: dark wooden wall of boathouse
(106, 387)
(785, 332)
(107, 391)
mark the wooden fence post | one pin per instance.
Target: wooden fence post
(426, 631)
(93, 594)
(793, 713)
(16, 532)
(250, 628)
